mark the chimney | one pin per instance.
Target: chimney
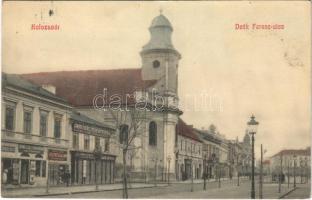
(49, 87)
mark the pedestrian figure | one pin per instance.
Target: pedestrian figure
(5, 176)
(67, 177)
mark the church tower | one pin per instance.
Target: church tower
(160, 60)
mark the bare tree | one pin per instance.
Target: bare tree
(132, 118)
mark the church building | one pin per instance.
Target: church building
(93, 93)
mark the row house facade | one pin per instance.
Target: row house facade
(290, 161)
(44, 141)
(215, 153)
(189, 150)
(92, 160)
(34, 144)
(235, 158)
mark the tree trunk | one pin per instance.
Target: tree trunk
(125, 187)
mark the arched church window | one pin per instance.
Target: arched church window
(123, 133)
(153, 133)
(156, 63)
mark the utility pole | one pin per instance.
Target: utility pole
(219, 175)
(205, 171)
(301, 171)
(47, 174)
(280, 175)
(155, 172)
(295, 171)
(192, 185)
(261, 168)
(288, 181)
(237, 170)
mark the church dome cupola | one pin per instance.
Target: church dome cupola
(160, 30)
(161, 21)
(160, 60)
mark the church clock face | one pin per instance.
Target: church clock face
(156, 63)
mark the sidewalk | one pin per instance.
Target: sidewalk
(208, 180)
(41, 191)
(270, 191)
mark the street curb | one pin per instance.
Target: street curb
(90, 191)
(287, 193)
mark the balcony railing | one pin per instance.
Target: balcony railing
(33, 138)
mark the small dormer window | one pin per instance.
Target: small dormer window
(156, 63)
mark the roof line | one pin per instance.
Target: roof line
(89, 70)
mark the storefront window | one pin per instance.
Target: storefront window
(9, 118)
(43, 173)
(38, 167)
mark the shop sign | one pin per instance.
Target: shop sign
(88, 129)
(84, 155)
(81, 155)
(57, 155)
(30, 148)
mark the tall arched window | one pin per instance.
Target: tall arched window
(123, 133)
(153, 133)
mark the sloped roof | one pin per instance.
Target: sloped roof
(297, 152)
(185, 130)
(19, 82)
(80, 87)
(206, 135)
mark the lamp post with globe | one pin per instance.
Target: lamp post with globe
(252, 126)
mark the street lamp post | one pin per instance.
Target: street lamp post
(97, 156)
(252, 129)
(261, 174)
(295, 171)
(168, 174)
(280, 174)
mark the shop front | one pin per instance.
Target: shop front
(22, 164)
(87, 168)
(58, 168)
